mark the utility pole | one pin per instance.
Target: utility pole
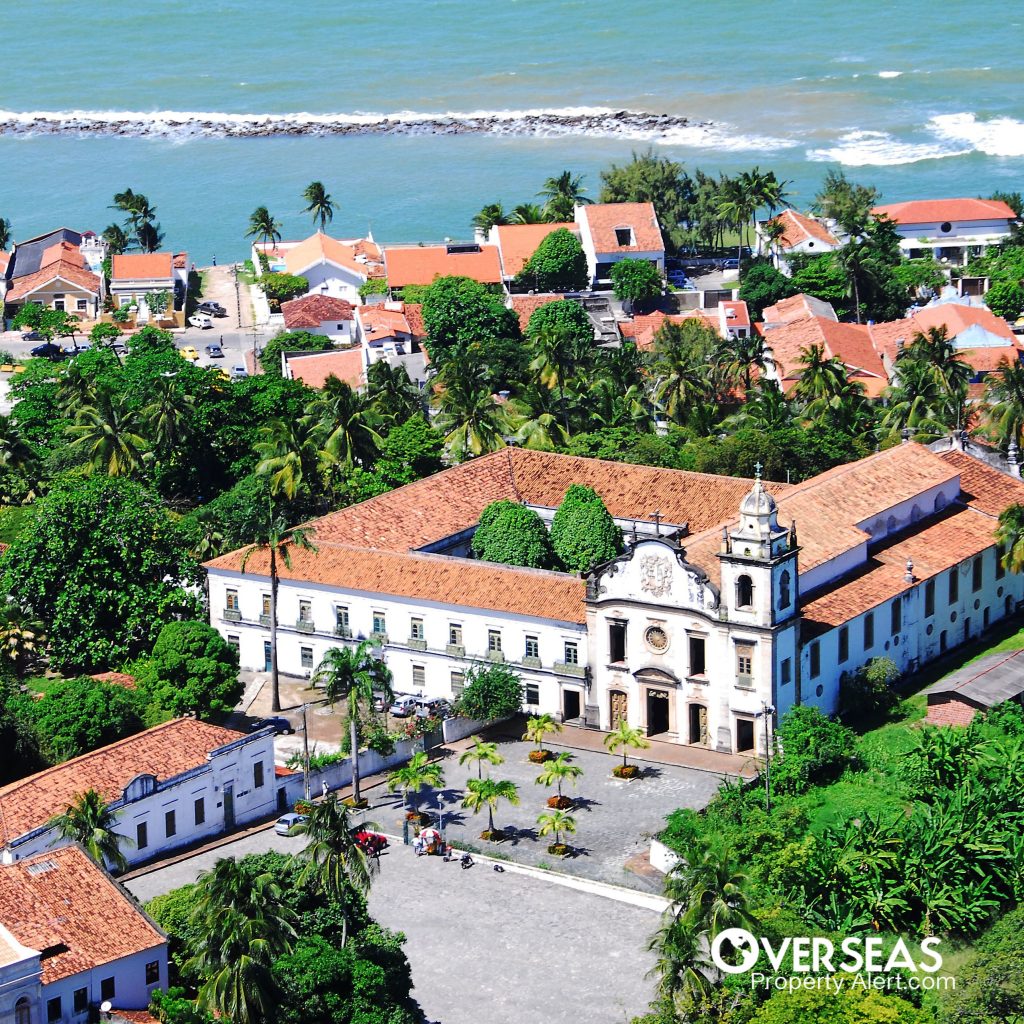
(305, 752)
(767, 710)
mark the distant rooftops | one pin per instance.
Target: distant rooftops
(421, 264)
(621, 227)
(938, 211)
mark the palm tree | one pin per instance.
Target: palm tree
(1010, 535)
(333, 856)
(737, 205)
(263, 226)
(346, 423)
(116, 238)
(1004, 391)
(741, 355)
(289, 456)
(827, 393)
(15, 452)
(481, 753)
(486, 793)
(352, 674)
(527, 213)
(5, 234)
(390, 392)
(625, 737)
(320, 204)
(683, 379)
(169, 415)
(562, 194)
(21, 635)
(90, 822)
(766, 408)
(555, 822)
(417, 772)
(468, 415)
(537, 728)
(771, 233)
(278, 542)
(141, 219)
(492, 215)
(556, 771)
(108, 433)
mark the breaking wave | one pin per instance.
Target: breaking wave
(862, 148)
(1000, 136)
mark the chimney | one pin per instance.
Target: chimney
(905, 435)
(909, 575)
(1013, 459)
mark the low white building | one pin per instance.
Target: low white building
(950, 230)
(135, 278)
(331, 266)
(321, 314)
(168, 786)
(610, 232)
(800, 235)
(71, 939)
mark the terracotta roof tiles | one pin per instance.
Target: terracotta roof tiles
(313, 369)
(798, 228)
(142, 266)
(319, 248)
(524, 306)
(311, 311)
(937, 211)
(518, 242)
(421, 264)
(64, 270)
(603, 219)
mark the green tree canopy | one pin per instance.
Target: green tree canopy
(557, 265)
(583, 534)
(458, 312)
(649, 178)
(281, 287)
(193, 670)
(490, 692)
(635, 280)
(410, 452)
(103, 566)
(514, 535)
(290, 341)
(1005, 299)
(815, 750)
(568, 319)
(763, 285)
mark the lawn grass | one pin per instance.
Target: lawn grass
(42, 684)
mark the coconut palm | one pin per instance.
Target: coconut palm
(21, 635)
(6, 238)
(352, 674)
(771, 234)
(15, 452)
(1004, 391)
(766, 408)
(116, 238)
(826, 391)
(1010, 535)
(492, 215)
(487, 793)
(417, 772)
(346, 422)
(108, 433)
(625, 738)
(263, 226)
(555, 822)
(141, 219)
(558, 770)
(562, 194)
(683, 381)
(90, 822)
(916, 401)
(390, 392)
(737, 205)
(319, 203)
(472, 420)
(290, 456)
(739, 356)
(482, 752)
(527, 213)
(332, 855)
(277, 542)
(553, 355)
(540, 726)
(169, 415)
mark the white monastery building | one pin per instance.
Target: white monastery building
(731, 594)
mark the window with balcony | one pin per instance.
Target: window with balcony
(617, 642)
(572, 653)
(306, 657)
(532, 650)
(416, 629)
(380, 624)
(231, 600)
(341, 621)
(455, 634)
(494, 641)
(745, 664)
(266, 605)
(306, 611)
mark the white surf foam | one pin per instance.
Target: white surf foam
(862, 148)
(999, 136)
(889, 74)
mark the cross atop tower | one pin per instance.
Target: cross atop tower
(757, 470)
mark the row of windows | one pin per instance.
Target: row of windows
(80, 997)
(570, 648)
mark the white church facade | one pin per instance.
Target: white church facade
(733, 600)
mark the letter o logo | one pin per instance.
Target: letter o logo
(742, 940)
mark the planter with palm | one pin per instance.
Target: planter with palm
(480, 753)
(555, 823)
(276, 544)
(625, 738)
(481, 793)
(419, 771)
(537, 728)
(353, 674)
(90, 822)
(556, 771)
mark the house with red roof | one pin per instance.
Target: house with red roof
(801, 235)
(321, 314)
(950, 230)
(314, 369)
(135, 278)
(518, 242)
(52, 271)
(610, 232)
(423, 264)
(332, 267)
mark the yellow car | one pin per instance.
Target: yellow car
(188, 352)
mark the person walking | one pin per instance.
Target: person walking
(324, 789)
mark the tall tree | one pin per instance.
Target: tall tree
(277, 542)
(649, 178)
(109, 435)
(6, 237)
(319, 203)
(116, 238)
(683, 377)
(583, 533)
(468, 414)
(352, 674)
(480, 753)
(562, 194)
(1010, 535)
(347, 424)
(289, 456)
(391, 394)
(169, 417)
(1005, 394)
(263, 226)
(332, 855)
(418, 772)
(90, 822)
(527, 213)
(492, 215)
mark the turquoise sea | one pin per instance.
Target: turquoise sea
(917, 98)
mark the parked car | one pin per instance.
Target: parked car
(201, 320)
(289, 824)
(211, 309)
(73, 350)
(379, 702)
(119, 347)
(188, 352)
(281, 726)
(31, 336)
(434, 706)
(48, 351)
(238, 372)
(371, 842)
(214, 351)
(404, 706)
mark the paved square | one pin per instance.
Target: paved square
(614, 818)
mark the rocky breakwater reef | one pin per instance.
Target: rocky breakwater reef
(177, 124)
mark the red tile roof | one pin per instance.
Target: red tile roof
(524, 306)
(315, 368)
(414, 317)
(116, 679)
(603, 219)
(59, 902)
(321, 248)
(421, 264)
(165, 751)
(5, 258)
(643, 329)
(62, 250)
(381, 322)
(142, 266)
(314, 310)
(62, 270)
(796, 307)
(736, 313)
(518, 242)
(937, 211)
(799, 228)
(180, 260)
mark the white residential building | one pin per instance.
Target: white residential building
(321, 314)
(610, 232)
(331, 266)
(800, 235)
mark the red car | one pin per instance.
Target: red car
(371, 842)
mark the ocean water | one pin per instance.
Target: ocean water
(917, 100)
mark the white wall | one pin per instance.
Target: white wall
(341, 282)
(130, 989)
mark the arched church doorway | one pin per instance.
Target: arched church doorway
(657, 712)
(697, 732)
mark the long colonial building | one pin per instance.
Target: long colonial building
(732, 595)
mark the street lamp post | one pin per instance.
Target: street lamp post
(305, 753)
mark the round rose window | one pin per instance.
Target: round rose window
(657, 638)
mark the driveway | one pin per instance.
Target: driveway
(488, 946)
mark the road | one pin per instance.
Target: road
(502, 947)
